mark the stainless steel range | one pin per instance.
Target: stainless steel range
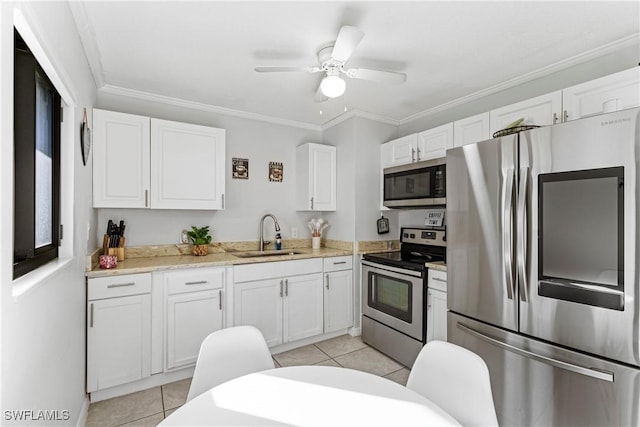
(394, 289)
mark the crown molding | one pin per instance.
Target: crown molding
(533, 75)
(88, 40)
(177, 102)
(360, 114)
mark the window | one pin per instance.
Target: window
(37, 107)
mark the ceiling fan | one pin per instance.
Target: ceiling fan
(332, 59)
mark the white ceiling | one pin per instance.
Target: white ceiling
(205, 52)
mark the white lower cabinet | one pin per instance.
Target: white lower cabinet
(338, 293)
(118, 330)
(436, 305)
(284, 300)
(193, 310)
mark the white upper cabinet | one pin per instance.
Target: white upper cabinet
(472, 129)
(176, 181)
(316, 177)
(399, 151)
(610, 93)
(542, 110)
(434, 143)
(147, 163)
(120, 160)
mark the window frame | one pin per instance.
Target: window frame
(26, 256)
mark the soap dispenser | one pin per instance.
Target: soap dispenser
(278, 242)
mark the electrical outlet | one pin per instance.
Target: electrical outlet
(184, 238)
(294, 232)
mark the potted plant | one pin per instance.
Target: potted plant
(200, 239)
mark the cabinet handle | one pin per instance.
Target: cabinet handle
(418, 151)
(339, 262)
(327, 279)
(565, 116)
(200, 282)
(312, 203)
(281, 294)
(413, 155)
(220, 299)
(437, 279)
(222, 200)
(91, 316)
(555, 118)
(120, 285)
(146, 198)
(286, 287)
(429, 300)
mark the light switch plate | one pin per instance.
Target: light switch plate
(184, 238)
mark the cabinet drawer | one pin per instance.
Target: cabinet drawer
(272, 270)
(191, 280)
(337, 263)
(118, 286)
(437, 280)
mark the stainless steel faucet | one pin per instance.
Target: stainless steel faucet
(275, 221)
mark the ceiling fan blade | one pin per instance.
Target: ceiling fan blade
(287, 69)
(376, 75)
(319, 96)
(348, 39)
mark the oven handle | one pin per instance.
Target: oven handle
(397, 270)
(372, 288)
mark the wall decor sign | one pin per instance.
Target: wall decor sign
(240, 168)
(275, 171)
(85, 138)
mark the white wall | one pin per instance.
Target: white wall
(245, 200)
(43, 329)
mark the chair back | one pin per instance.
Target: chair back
(229, 353)
(455, 379)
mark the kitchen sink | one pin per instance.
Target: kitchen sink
(255, 254)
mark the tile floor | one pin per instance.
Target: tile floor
(149, 407)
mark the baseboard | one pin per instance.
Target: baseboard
(84, 413)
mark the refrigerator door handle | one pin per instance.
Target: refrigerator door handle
(507, 231)
(590, 372)
(522, 234)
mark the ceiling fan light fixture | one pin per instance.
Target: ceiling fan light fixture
(332, 86)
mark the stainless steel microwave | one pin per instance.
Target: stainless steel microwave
(415, 184)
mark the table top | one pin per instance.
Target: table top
(310, 396)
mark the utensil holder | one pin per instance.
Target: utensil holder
(315, 242)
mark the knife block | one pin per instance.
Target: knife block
(119, 251)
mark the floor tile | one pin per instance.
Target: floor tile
(168, 412)
(400, 376)
(151, 421)
(307, 355)
(275, 362)
(369, 360)
(175, 394)
(329, 362)
(341, 345)
(124, 409)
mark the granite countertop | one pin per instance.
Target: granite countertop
(438, 265)
(172, 262)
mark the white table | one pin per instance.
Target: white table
(310, 396)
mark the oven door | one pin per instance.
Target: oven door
(394, 297)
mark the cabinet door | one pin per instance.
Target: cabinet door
(595, 96)
(303, 312)
(436, 315)
(338, 300)
(190, 318)
(187, 166)
(399, 151)
(118, 341)
(470, 130)
(316, 177)
(120, 160)
(259, 304)
(433, 143)
(543, 110)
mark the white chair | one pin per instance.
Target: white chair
(227, 354)
(455, 379)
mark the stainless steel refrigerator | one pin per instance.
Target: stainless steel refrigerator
(543, 279)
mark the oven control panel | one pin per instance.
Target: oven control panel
(423, 236)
